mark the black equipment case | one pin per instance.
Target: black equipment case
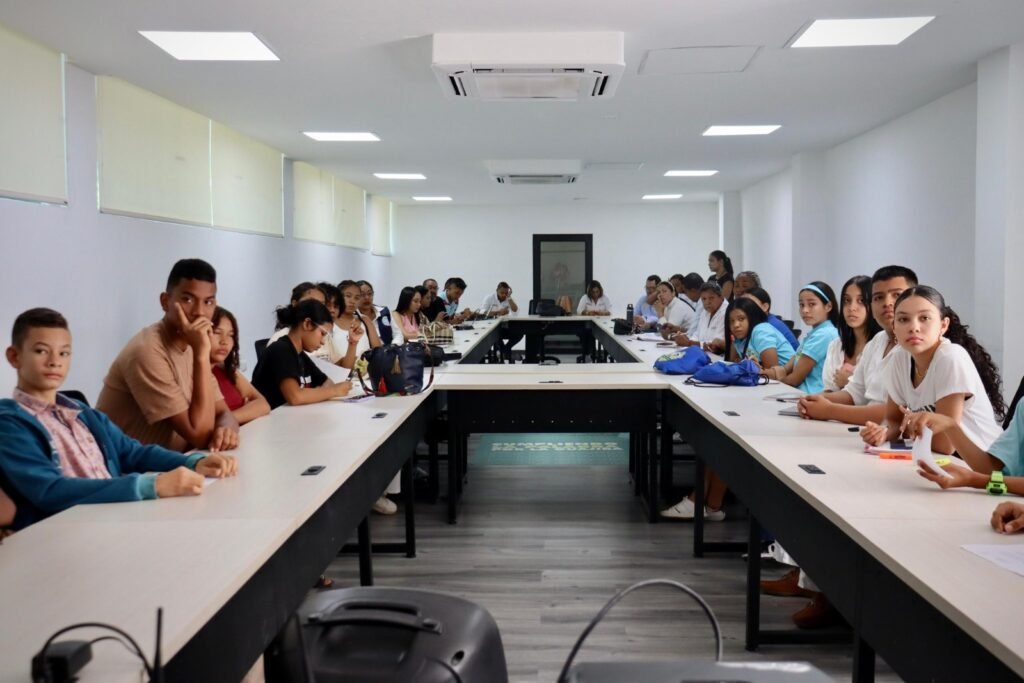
(387, 635)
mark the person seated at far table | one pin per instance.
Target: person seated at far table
(764, 300)
(671, 311)
(644, 315)
(241, 397)
(710, 331)
(378, 316)
(454, 288)
(500, 304)
(819, 311)
(744, 282)
(862, 400)
(284, 373)
(160, 389)
(56, 452)
(998, 468)
(301, 292)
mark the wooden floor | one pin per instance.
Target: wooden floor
(543, 549)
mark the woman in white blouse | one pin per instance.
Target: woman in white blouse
(594, 302)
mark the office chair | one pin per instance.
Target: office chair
(532, 309)
(260, 345)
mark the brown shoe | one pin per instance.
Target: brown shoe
(787, 587)
(819, 613)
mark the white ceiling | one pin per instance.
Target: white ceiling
(365, 65)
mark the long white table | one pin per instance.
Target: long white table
(229, 566)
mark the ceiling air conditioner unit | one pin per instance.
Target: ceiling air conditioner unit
(535, 179)
(529, 66)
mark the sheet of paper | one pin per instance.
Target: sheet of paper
(1006, 556)
(336, 373)
(923, 453)
(209, 481)
(649, 337)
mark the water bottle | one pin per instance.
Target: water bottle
(629, 315)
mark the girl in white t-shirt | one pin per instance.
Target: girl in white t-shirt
(940, 367)
(856, 327)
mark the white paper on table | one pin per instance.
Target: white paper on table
(649, 337)
(335, 373)
(922, 453)
(1009, 556)
(209, 481)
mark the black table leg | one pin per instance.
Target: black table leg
(753, 585)
(365, 554)
(410, 508)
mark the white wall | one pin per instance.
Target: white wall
(904, 193)
(105, 273)
(484, 245)
(767, 210)
(901, 193)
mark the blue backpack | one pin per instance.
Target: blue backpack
(742, 374)
(685, 362)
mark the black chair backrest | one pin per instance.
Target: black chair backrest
(534, 303)
(1013, 405)
(260, 345)
(75, 394)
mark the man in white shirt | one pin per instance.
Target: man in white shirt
(644, 315)
(710, 329)
(497, 305)
(690, 298)
(863, 398)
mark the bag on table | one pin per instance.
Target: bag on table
(398, 369)
(684, 362)
(438, 333)
(746, 373)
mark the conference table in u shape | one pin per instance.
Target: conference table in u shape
(230, 566)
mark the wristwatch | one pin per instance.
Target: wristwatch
(995, 485)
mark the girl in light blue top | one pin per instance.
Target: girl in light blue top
(818, 309)
(754, 337)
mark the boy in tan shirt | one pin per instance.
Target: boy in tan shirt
(160, 389)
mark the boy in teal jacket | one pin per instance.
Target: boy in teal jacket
(56, 452)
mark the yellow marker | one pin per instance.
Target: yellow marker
(941, 461)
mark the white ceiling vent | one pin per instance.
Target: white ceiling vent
(529, 66)
(535, 171)
(535, 179)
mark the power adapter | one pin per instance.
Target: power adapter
(59, 662)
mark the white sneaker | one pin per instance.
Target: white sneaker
(385, 506)
(714, 515)
(684, 509)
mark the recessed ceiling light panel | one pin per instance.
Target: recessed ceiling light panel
(860, 32)
(433, 199)
(342, 137)
(400, 176)
(211, 46)
(689, 174)
(662, 196)
(741, 130)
